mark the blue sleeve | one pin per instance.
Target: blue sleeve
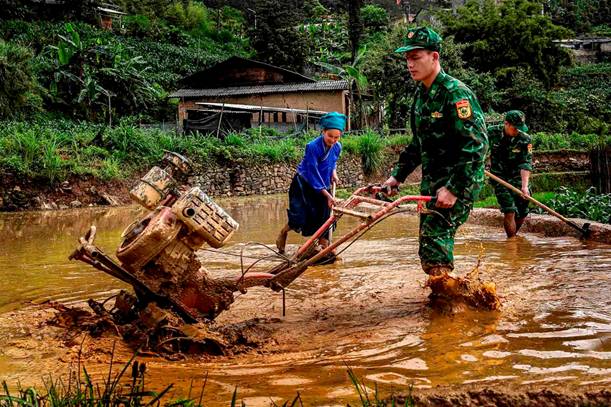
(310, 166)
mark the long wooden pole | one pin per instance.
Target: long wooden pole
(506, 184)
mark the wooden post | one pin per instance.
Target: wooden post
(600, 169)
(218, 127)
(260, 118)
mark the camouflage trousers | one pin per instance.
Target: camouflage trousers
(509, 201)
(437, 230)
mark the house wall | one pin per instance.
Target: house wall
(327, 101)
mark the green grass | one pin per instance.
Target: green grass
(491, 202)
(53, 150)
(559, 141)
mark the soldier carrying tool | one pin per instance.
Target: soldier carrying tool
(511, 160)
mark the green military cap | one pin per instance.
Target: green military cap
(421, 38)
(517, 119)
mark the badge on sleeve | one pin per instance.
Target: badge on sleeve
(530, 148)
(463, 108)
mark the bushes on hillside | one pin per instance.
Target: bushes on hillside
(96, 65)
(18, 87)
(501, 38)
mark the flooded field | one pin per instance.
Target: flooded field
(368, 311)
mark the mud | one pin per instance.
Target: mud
(511, 397)
(368, 311)
(153, 330)
(17, 194)
(449, 292)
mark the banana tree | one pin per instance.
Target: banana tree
(355, 77)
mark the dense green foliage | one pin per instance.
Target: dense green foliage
(276, 39)
(18, 87)
(580, 15)
(502, 38)
(585, 205)
(88, 73)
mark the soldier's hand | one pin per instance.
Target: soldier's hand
(525, 191)
(392, 185)
(445, 198)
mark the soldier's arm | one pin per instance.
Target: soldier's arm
(492, 135)
(525, 162)
(469, 127)
(525, 175)
(526, 154)
(409, 159)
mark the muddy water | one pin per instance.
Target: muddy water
(367, 311)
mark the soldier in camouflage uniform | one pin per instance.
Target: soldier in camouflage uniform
(511, 160)
(449, 140)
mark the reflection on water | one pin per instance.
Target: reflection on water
(367, 311)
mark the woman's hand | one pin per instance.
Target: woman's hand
(331, 201)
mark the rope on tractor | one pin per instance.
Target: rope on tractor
(278, 257)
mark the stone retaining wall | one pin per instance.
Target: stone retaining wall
(232, 179)
(265, 179)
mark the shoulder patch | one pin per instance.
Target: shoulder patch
(463, 109)
(529, 147)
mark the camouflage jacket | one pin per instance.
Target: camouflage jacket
(449, 139)
(509, 155)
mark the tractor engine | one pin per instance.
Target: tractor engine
(159, 249)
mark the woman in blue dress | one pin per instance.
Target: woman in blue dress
(310, 199)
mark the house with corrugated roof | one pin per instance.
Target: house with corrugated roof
(240, 93)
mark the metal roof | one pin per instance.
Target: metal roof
(263, 89)
(255, 108)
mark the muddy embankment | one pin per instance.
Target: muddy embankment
(233, 179)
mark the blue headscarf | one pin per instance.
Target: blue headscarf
(333, 120)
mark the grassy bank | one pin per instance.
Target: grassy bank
(55, 150)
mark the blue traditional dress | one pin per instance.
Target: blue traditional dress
(308, 207)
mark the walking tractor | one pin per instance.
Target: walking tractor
(157, 255)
